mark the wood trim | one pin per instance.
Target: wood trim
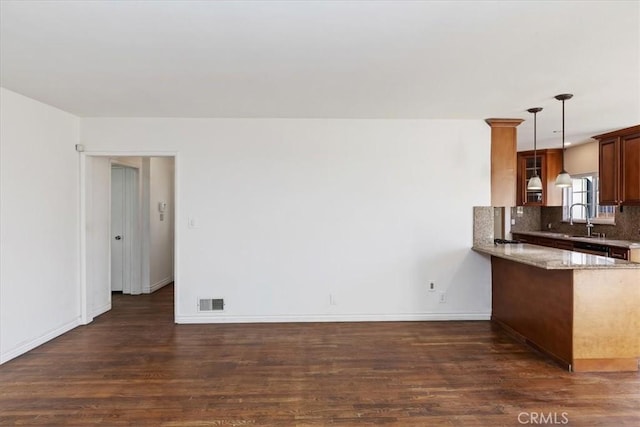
(504, 123)
(605, 365)
(541, 152)
(619, 132)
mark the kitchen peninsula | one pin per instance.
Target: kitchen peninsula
(583, 310)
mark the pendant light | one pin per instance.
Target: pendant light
(564, 179)
(535, 183)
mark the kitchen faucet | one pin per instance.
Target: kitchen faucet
(586, 214)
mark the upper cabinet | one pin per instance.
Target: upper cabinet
(608, 171)
(548, 164)
(619, 167)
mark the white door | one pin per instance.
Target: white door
(117, 228)
(125, 231)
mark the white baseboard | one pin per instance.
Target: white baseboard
(101, 310)
(417, 317)
(22, 349)
(154, 287)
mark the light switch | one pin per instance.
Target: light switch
(192, 223)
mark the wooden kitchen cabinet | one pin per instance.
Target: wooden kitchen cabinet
(619, 167)
(580, 317)
(608, 171)
(630, 168)
(548, 166)
(563, 244)
(544, 241)
(619, 253)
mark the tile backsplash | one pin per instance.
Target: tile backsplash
(527, 218)
(536, 218)
(483, 225)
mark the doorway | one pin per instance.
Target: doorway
(128, 234)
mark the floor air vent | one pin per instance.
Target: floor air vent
(216, 304)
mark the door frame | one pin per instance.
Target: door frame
(84, 294)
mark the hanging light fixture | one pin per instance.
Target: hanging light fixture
(535, 183)
(564, 179)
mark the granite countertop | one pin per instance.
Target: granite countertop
(551, 258)
(630, 244)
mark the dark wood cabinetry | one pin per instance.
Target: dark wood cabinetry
(619, 253)
(547, 165)
(544, 241)
(619, 167)
(608, 171)
(579, 317)
(630, 168)
(570, 245)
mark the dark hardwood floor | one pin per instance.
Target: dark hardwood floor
(134, 367)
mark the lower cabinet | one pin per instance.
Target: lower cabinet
(564, 244)
(610, 251)
(574, 316)
(619, 253)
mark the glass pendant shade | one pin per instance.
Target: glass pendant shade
(564, 180)
(535, 183)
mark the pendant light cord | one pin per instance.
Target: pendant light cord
(563, 135)
(535, 112)
(535, 145)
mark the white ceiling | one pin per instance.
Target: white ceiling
(331, 59)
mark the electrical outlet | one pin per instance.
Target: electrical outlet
(332, 300)
(432, 287)
(443, 297)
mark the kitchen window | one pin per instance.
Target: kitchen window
(585, 191)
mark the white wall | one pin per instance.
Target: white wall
(289, 212)
(98, 238)
(160, 229)
(39, 277)
(582, 158)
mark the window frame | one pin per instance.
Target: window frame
(567, 201)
